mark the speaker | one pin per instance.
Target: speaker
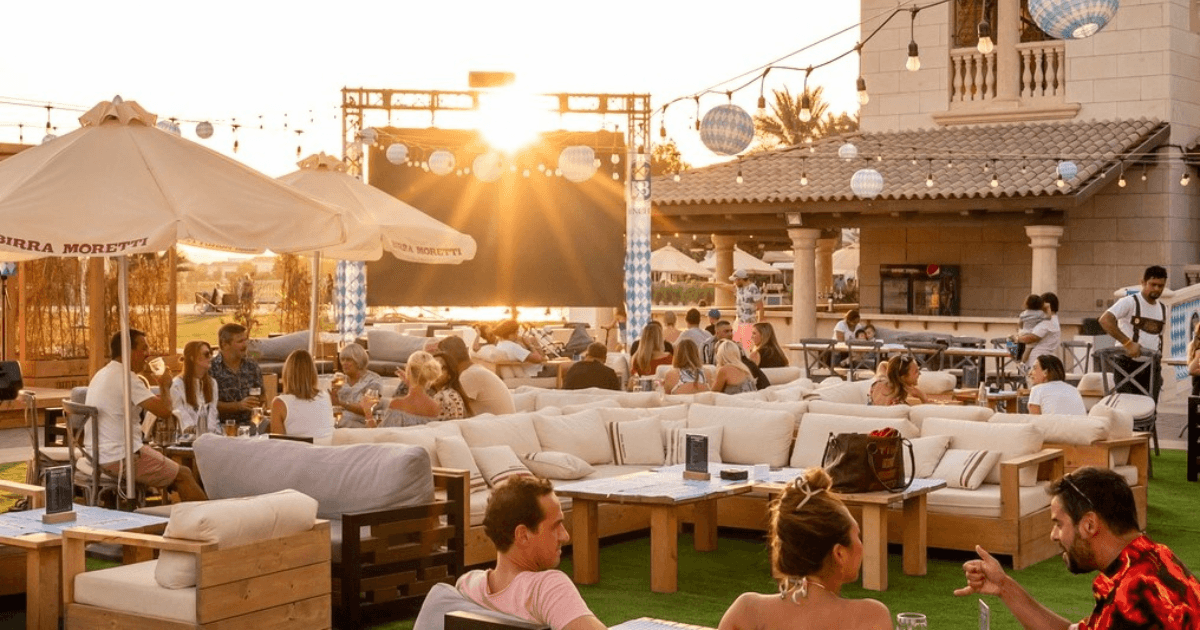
(10, 380)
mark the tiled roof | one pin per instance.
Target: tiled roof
(1023, 157)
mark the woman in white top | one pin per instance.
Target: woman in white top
(302, 409)
(1050, 393)
(845, 328)
(194, 392)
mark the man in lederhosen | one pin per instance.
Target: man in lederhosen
(1137, 322)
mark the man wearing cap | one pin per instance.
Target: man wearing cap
(749, 307)
(714, 316)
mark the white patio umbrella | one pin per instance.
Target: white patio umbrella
(667, 259)
(375, 222)
(845, 261)
(120, 186)
(742, 260)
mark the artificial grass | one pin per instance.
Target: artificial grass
(14, 471)
(709, 582)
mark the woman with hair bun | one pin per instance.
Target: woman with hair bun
(815, 549)
(417, 407)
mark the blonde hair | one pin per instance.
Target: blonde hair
(650, 344)
(687, 355)
(728, 353)
(422, 369)
(300, 375)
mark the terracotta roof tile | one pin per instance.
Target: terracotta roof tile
(1025, 159)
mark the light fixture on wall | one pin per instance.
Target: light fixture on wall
(794, 219)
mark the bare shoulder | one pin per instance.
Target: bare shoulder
(746, 613)
(871, 613)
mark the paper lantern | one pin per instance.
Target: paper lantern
(848, 151)
(48, 137)
(204, 130)
(726, 130)
(441, 162)
(397, 153)
(488, 167)
(577, 164)
(867, 183)
(368, 135)
(1072, 19)
(169, 126)
(1067, 169)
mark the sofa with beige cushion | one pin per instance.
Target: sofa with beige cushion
(998, 470)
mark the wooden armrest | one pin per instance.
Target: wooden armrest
(1049, 463)
(135, 539)
(1137, 439)
(1092, 393)
(26, 489)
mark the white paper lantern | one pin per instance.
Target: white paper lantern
(397, 153)
(848, 151)
(726, 130)
(577, 164)
(441, 162)
(204, 130)
(867, 183)
(1067, 170)
(1072, 19)
(169, 126)
(488, 167)
(48, 137)
(368, 135)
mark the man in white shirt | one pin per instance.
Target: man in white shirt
(106, 394)
(511, 348)
(524, 519)
(1137, 322)
(698, 335)
(485, 391)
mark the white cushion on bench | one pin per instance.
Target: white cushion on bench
(1012, 440)
(515, 430)
(582, 434)
(131, 588)
(1060, 428)
(976, 413)
(816, 427)
(861, 410)
(984, 501)
(751, 435)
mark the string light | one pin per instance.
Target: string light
(985, 45)
(1187, 176)
(739, 179)
(995, 183)
(805, 101)
(914, 57)
(235, 136)
(1143, 172)
(929, 178)
(1121, 179)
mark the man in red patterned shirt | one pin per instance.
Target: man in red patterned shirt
(1141, 583)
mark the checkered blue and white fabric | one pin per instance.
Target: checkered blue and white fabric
(726, 130)
(1072, 19)
(350, 299)
(1183, 318)
(638, 293)
(866, 183)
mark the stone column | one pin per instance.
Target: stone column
(1043, 240)
(724, 259)
(804, 286)
(825, 247)
(1007, 34)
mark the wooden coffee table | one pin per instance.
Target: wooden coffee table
(874, 507)
(43, 552)
(663, 492)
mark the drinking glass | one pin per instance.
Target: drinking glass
(911, 621)
(256, 391)
(243, 430)
(158, 366)
(263, 426)
(231, 428)
(337, 415)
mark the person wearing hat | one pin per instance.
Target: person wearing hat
(749, 301)
(714, 316)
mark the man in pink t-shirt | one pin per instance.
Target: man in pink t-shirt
(525, 522)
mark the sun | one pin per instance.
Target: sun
(510, 119)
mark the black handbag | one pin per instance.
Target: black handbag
(857, 462)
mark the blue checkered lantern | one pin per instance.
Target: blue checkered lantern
(867, 183)
(577, 163)
(1072, 19)
(1067, 170)
(727, 130)
(350, 299)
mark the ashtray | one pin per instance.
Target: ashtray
(735, 474)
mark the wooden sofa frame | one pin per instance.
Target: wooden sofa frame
(407, 550)
(1098, 454)
(275, 583)
(13, 559)
(1025, 538)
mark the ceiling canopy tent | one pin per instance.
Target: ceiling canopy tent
(375, 222)
(119, 186)
(671, 261)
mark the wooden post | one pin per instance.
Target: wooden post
(97, 344)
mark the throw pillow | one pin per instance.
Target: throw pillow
(638, 442)
(928, 451)
(498, 463)
(453, 452)
(677, 444)
(965, 469)
(556, 465)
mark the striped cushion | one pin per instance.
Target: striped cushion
(965, 469)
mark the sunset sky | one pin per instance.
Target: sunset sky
(259, 60)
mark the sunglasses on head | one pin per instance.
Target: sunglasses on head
(1071, 484)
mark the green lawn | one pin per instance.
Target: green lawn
(192, 327)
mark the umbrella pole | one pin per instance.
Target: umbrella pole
(312, 313)
(127, 394)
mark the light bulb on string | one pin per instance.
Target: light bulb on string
(616, 158)
(739, 179)
(929, 178)
(48, 129)
(995, 183)
(1121, 179)
(677, 177)
(914, 56)
(863, 96)
(697, 113)
(235, 137)
(1143, 173)
(298, 132)
(1187, 176)
(985, 45)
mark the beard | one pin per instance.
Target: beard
(1079, 557)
